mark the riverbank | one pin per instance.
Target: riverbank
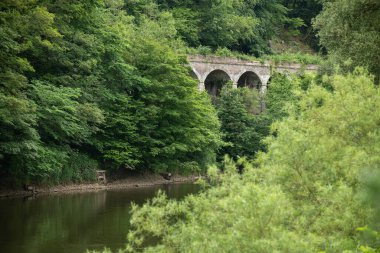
(129, 182)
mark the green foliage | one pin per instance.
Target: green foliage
(281, 94)
(223, 216)
(79, 168)
(242, 127)
(350, 30)
(24, 26)
(294, 58)
(306, 10)
(244, 26)
(61, 118)
(173, 124)
(245, 120)
(273, 59)
(82, 79)
(305, 196)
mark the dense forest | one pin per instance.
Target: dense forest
(105, 84)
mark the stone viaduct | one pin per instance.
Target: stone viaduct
(212, 72)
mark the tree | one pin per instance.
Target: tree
(179, 128)
(350, 30)
(24, 26)
(306, 10)
(242, 130)
(245, 26)
(282, 93)
(305, 195)
(85, 82)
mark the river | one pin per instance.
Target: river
(74, 222)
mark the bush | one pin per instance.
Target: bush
(79, 168)
(300, 58)
(305, 196)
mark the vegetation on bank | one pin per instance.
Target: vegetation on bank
(312, 191)
(104, 83)
(315, 185)
(82, 80)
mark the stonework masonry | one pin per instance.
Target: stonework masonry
(202, 66)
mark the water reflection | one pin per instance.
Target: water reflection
(74, 222)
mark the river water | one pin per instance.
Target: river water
(72, 223)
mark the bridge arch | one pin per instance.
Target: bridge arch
(250, 80)
(215, 80)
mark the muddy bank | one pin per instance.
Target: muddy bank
(130, 182)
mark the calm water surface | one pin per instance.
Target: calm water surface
(74, 222)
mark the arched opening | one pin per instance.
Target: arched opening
(215, 81)
(249, 79)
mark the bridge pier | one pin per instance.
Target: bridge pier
(264, 83)
(201, 86)
(263, 89)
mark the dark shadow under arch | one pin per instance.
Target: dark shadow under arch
(250, 80)
(215, 81)
(269, 81)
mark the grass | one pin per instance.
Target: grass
(286, 57)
